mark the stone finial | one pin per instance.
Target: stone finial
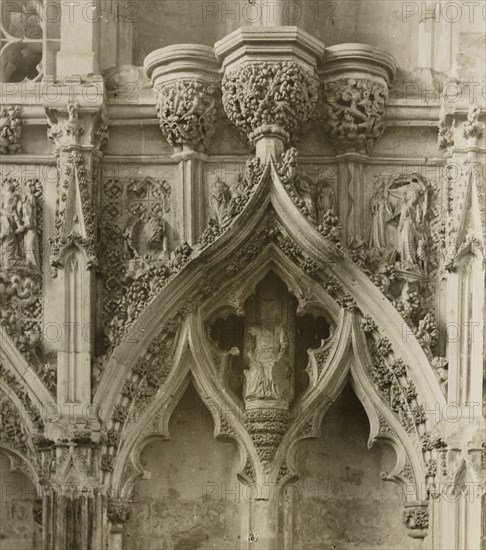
(185, 78)
(270, 84)
(355, 81)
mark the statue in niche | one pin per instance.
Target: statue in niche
(268, 353)
(261, 354)
(219, 197)
(326, 199)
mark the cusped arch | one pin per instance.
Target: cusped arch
(270, 201)
(155, 420)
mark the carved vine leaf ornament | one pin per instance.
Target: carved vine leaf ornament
(268, 98)
(187, 112)
(10, 129)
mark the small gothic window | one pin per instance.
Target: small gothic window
(29, 39)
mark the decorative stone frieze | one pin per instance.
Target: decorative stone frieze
(185, 79)
(355, 81)
(270, 84)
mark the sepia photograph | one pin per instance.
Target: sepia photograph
(242, 274)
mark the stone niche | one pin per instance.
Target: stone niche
(340, 500)
(18, 528)
(191, 499)
(270, 308)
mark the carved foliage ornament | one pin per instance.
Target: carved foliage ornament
(10, 129)
(354, 111)
(316, 200)
(139, 292)
(472, 127)
(12, 428)
(67, 129)
(187, 112)
(16, 386)
(390, 375)
(269, 97)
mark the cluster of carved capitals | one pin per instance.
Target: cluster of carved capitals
(270, 88)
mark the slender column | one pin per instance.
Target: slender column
(185, 79)
(72, 495)
(77, 129)
(362, 73)
(461, 468)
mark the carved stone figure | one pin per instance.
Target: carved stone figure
(219, 196)
(381, 209)
(398, 229)
(270, 345)
(269, 353)
(407, 229)
(326, 199)
(29, 216)
(10, 225)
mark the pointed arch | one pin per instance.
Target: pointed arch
(272, 194)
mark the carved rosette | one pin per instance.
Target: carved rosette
(185, 79)
(355, 81)
(270, 84)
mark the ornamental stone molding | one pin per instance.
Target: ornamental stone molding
(270, 84)
(355, 80)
